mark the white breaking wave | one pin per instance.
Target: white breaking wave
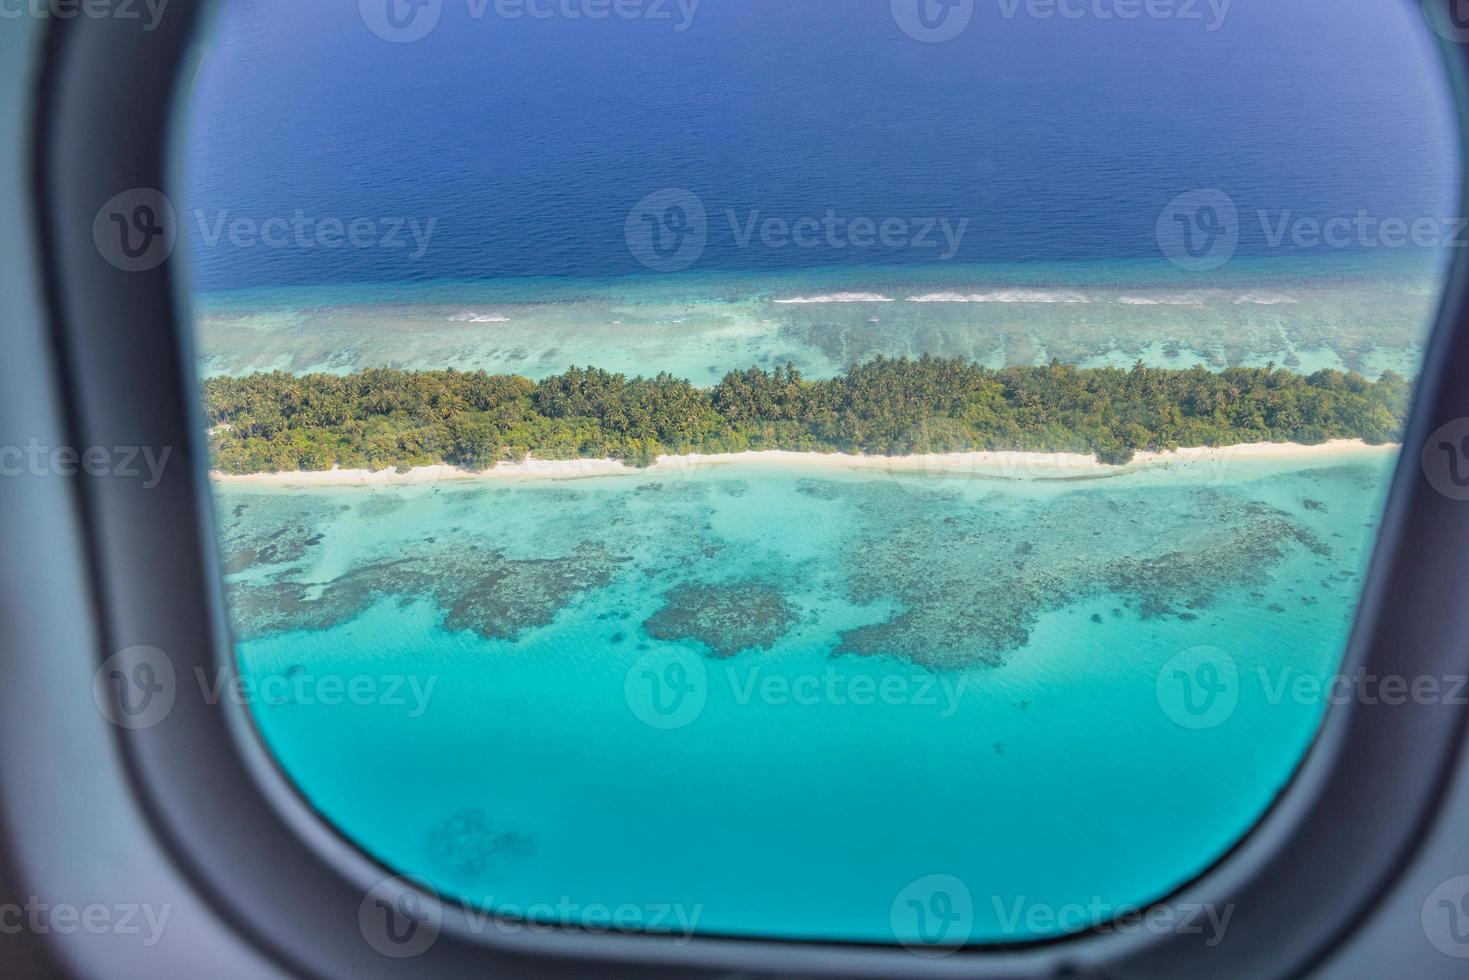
(1161, 301)
(1265, 299)
(1003, 296)
(469, 316)
(839, 298)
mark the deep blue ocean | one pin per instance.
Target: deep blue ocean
(528, 141)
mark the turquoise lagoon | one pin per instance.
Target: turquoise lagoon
(952, 674)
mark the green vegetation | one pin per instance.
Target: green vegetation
(382, 418)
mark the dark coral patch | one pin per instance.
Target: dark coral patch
(294, 526)
(728, 619)
(971, 591)
(479, 588)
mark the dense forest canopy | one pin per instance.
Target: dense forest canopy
(387, 418)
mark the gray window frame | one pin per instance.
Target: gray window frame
(118, 350)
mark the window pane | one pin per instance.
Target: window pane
(907, 470)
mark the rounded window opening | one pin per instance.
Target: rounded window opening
(899, 474)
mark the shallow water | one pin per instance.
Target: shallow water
(1302, 313)
(937, 675)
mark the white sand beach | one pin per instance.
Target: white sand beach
(1018, 465)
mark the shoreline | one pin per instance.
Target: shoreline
(1010, 464)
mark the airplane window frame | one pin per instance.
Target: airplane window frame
(105, 109)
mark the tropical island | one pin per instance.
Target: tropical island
(382, 418)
